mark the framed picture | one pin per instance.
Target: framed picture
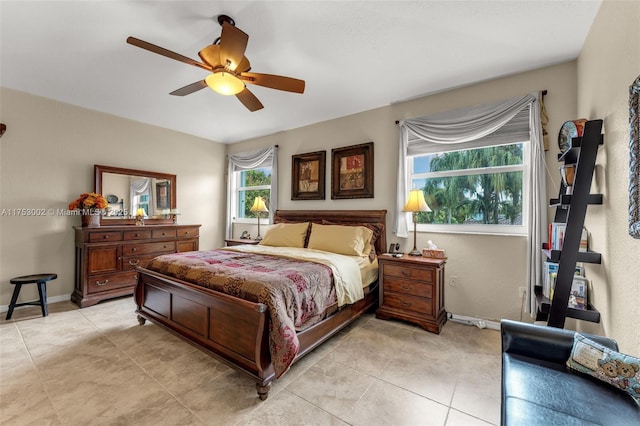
(308, 176)
(352, 171)
(163, 195)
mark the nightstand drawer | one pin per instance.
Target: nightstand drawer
(406, 273)
(408, 303)
(412, 288)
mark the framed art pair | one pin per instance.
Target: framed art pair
(351, 173)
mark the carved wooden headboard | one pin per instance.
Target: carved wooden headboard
(340, 217)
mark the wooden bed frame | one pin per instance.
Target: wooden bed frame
(234, 330)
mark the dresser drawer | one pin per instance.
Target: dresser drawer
(408, 303)
(421, 274)
(404, 286)
(188, 232)
(96, 237)
(131, 263)
(144, 248)
(100, 283)
(163, 233)
(137, 235)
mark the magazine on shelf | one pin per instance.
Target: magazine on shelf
(579, 291)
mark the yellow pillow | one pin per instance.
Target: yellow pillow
(349, 240)
(285, 235)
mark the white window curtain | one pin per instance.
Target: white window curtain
(140, 186)
(267, 157)
(512, 120)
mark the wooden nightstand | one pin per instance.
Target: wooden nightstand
(238, 241)
(411, 289)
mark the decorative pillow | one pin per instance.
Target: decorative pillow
(349, 240)
(619, 370)
(285, 235)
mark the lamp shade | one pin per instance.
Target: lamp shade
(224, 83)
(140, 212)
(258, 205)
(416, 202)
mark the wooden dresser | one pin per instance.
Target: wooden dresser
(106, 257)
(411, 289)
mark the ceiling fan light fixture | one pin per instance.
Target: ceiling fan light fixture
(224, 83)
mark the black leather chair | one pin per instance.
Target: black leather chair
(538, 389)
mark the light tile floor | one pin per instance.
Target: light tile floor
(98, 366)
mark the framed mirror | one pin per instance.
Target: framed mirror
(129, 191)
(634, 159)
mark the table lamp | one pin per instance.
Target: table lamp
(259, 207)
(140, 213)
(415, 204)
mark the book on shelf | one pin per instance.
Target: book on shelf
(549, 275)
(584, 240)
(557, 235)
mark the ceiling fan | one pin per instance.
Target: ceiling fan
(228, 66)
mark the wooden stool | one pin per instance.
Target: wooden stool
(41, 280)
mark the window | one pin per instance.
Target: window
(472, 190)
(248, 184)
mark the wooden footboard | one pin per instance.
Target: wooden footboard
(232, 330)
(235, 330)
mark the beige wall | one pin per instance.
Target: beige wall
(47, 157)
(608, 63)
(489, 269)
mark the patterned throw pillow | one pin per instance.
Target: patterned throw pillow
(615, 368)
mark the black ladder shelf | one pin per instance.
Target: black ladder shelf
(571, 210)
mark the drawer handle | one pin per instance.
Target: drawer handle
(100, 284)
(164, 233)
(407, 304)
(406, 273)
(106, 237)
(186, 232)
(406, 287)
(165, 246)
(134, 249)
(132, 263)
(137, 235)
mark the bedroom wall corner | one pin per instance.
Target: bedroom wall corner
(608, 63)
(46, 161)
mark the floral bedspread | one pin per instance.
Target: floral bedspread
(297, 293)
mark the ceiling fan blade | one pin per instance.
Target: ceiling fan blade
(164, 52)
(249, 100)
(210, 55)
(271, 81)
(189, 88)
(233, 43)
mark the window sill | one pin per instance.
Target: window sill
(495, 230)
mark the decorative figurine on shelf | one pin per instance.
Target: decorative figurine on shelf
(140, 217)
(174, 215)
(245, 235)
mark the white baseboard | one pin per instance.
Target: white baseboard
(54, 299)
(478, 322)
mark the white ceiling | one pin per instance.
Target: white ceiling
(353, 55)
